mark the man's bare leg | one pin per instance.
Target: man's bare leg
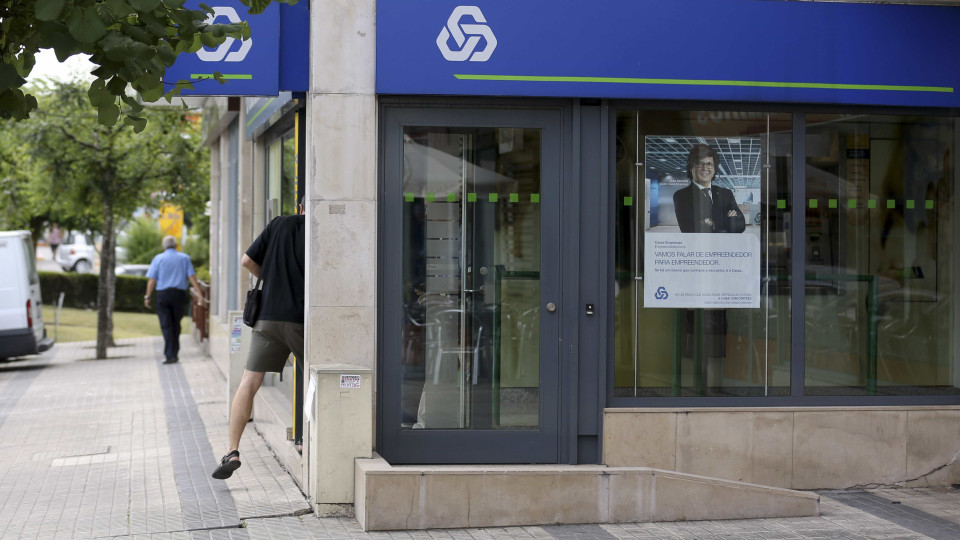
(242, 406)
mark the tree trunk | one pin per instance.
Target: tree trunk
(105, 285)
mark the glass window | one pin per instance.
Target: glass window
(880, 287)
(696, 314)
(281, 176)
(471, 278)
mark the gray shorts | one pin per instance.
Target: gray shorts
(271, 343)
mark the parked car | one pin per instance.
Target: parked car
(22, 330)
(77, 253)
(132, 269)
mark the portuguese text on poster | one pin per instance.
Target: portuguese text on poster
(714, 271)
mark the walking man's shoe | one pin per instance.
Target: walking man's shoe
(171, 360)
(227, 465)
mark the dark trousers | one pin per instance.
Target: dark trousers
(170, 306)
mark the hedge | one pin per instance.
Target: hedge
(81, 291)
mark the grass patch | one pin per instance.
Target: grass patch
(81, 324)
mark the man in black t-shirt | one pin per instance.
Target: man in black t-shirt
(277, 257)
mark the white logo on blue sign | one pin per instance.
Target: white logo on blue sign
(221, 51)
(466, 36)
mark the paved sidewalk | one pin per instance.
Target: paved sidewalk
(124, 448)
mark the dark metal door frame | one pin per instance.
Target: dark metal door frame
(546, 444)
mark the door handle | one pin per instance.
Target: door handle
(551, 307)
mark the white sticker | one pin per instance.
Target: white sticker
(308, 399)
(349, 381)
(236, 334)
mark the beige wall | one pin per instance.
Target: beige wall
(809, 448)
(341, 194)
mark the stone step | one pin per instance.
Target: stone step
(462, 496)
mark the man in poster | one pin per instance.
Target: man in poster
(702, 207)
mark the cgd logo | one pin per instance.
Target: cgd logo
(661, 293)
(459, 32)
(221, 51)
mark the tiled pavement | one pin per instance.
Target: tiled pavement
(124, 447)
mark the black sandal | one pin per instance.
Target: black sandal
(227, 465)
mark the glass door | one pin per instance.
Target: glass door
(470, 363)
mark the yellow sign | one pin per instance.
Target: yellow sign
(171, 222)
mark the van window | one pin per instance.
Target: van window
(31, 265)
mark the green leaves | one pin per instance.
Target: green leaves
(9, 77)
(48, 10)
(132, 43)
(85, 25)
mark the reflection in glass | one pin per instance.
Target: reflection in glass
(281, 165)
(471, 278)
(880, 286)
(701, 352)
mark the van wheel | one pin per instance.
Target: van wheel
(83, 266)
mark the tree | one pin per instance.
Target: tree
(132, 41)
(105, 172)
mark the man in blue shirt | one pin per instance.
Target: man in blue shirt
(168, 274)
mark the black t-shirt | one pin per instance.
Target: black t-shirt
(283, 273)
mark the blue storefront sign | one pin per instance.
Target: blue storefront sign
(273, 59)
(736, 50)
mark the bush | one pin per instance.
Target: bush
(199, 251)
(80, 291)
(143, 241)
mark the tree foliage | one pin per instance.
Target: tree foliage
(100, 174)
(132, 41)
(143, 241)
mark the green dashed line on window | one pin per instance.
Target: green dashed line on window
(514, 197)
(851, 203)
(910, 204)
(872, 203)
(430, 197)
(781, 204)
(832, 203)
(891, 203)
(471, 197)
(535, 197)
(813, 203)
(408, 197)
(929, 205)
(493, 197)
(451, 197)
(628, 201)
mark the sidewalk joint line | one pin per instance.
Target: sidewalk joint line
(295, 513)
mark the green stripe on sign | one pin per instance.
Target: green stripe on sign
(232, 77)
(534, 197)
(628, 201)
(704, 82)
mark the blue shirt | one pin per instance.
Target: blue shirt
(171, 270)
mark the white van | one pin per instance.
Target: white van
(21, 322)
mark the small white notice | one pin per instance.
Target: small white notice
(349, 381)
(236, 334)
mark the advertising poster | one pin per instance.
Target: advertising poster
(702, 238)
